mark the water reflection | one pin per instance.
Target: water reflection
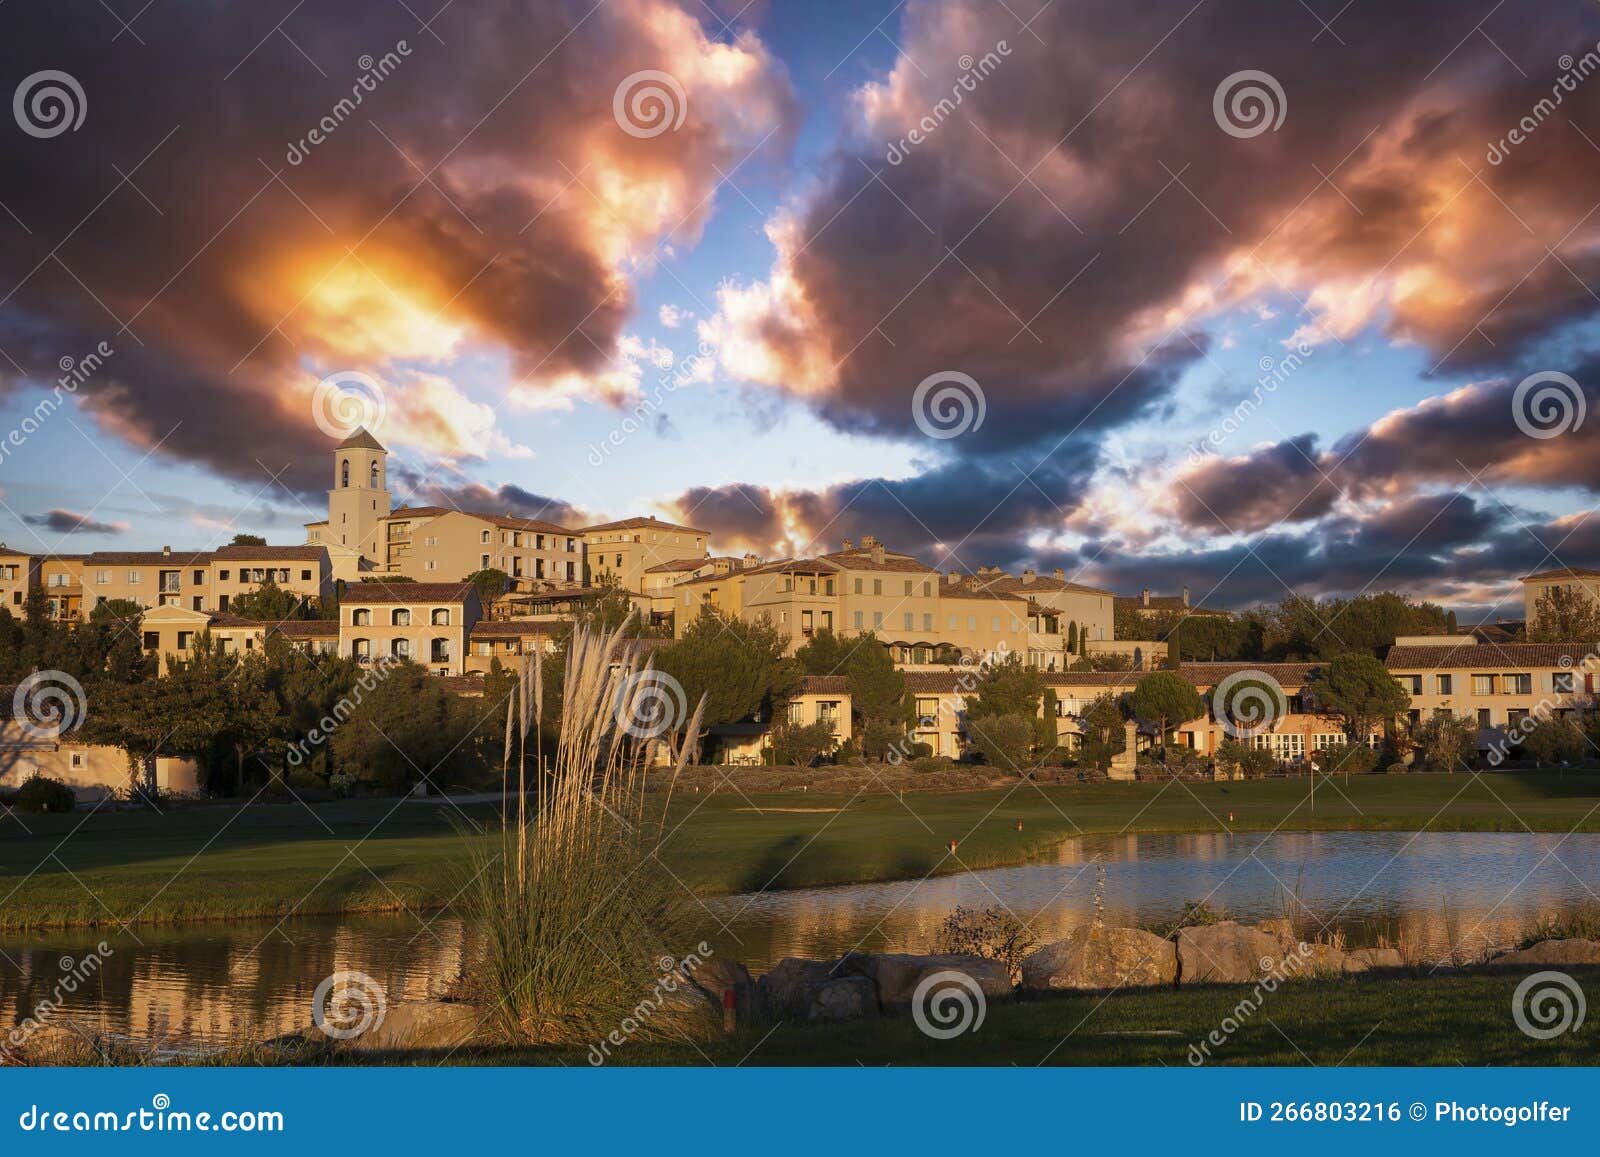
(1435, 894)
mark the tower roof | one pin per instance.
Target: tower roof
(361, 440)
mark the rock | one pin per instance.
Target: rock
(420, 1024)
(1102, 958)
(1379, 957)
(1226, 953)
(1320, 960)
(1572, 951)
(715, 976)
(842, 998)
(799, 989)
(895, 976)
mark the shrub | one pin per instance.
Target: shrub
(1396, 768)
(43, 794)
(799, 745)
(930, 763)
(1004, 741)
(993, 933)
(1353, 759)
(919, 750)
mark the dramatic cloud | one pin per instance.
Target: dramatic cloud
(71, 522)
(237, 226)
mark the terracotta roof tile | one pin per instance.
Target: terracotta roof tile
(361, 593)
(1486, 656)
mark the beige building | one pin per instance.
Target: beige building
(358, 502)
(429, 623)
(19, 574)
(1496, 685)
(1536, 586)
(822, 699)
(171, 633)
(627, 549)
(438, 544)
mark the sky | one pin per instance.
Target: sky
(1249, 297)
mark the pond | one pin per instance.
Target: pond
(1437, 894)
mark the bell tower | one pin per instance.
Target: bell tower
(357, 505)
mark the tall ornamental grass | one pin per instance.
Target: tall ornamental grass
(575, 910)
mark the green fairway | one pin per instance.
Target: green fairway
(280, 858)
(1439, 1020)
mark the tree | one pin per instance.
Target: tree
(1072, 638)
(1565, 615)
(1555, 740)
(1446, 743)
(1250, 762)
(248, 540)
(1103, 732)
(799, 745)
(1004, 741)
(1360, 691)
(1008, 688)
(1167, 698)
(877, 686)
(739, 667)
(405, 727)
(490, 583)
(267, 603)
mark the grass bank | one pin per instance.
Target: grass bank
(1440, 1020)
(105, 868)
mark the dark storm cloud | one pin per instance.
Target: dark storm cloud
(71, 522)
(231, 260)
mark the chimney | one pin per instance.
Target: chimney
(868, 542)
(166, 550)
(1144, 596)
(848, 545)
(1059, 575)
(953, 577)
(749, 560)
(877, 552)
(1027, 575)
(1185, 596)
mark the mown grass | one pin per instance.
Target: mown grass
(276, 859)
(1440, 1020)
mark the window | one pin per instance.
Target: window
(439, 651)
(908, 586)
(152, 640)
(1442, 684)
(1484, 717)
(431, 564)
(100, 576)
(877, 620)
(400, 617)
(910, 621)
(372, 477)
(305, 576)
(856, 621)
(806, 624)
(953, 621)
(1412, 683)
(483, 562)
(361, 648)
(135, 578)
(77, 761)
(827, 620)
(1561, 682)
(972, 622)
(858, 586)
(994, 623)
(877, 586)
(344, 473)
(483, 536)
(223, 575)
(199, 578)
(827, 586)
(927, 622)
(1483, 684)
(441, 616)
(1517, 684)
(361, 617)
(400, 648)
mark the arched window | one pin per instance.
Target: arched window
(400, 618)
(361, 618)
(344, 473)
(361, 648)
(372, 476)
(441, 617)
